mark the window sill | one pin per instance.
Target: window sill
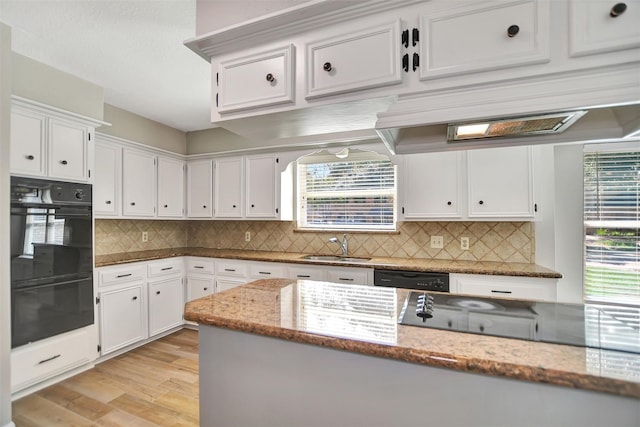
(344, 231)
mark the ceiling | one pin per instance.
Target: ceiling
(132, 48)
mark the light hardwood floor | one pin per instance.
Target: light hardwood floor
(154, 385)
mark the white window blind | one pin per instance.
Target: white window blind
(357, 193)
(612, 223)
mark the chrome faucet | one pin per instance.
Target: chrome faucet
(343, 245)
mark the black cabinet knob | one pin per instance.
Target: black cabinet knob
(327, 67)
(234, 206)
(108, 202)
(166, 206)
(133, 203)
(253, 206)
(157, 292)
(30, 157)
(134, 298)
(204, 206)
(270, 78)
(617, 10)
(63, 162)
(448, 203)
(206, 289)
(513, 30)
(481, 202)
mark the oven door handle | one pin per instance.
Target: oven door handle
(48, 285)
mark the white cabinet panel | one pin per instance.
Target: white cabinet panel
(164, 267)
(200, 189)
(223, 284)
(28, 133)
(234, 268)
(351, 275)
(303, 272)
(229, 182)
(433, 185)
(262, 187)
(259, 80)
(595, 27)
(199, 286)
(199, 265)
(68, 150)
(122, 317)
(266, 270)
(500, 182)
(107, 179)
(529, 288)
(484, 36)
(165, 305)
(170, 187)
(138, 183)
(359, 60)
(121, 274)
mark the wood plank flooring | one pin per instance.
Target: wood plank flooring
(154, 385)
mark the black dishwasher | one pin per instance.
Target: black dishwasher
(424, 281)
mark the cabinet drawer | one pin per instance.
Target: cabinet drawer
(231, 268)
(266, 78)
(124, 274)
(258, 270)
(307, 273)
(200, 265)
(468, 39)
(354, 276)
(359, 60)
(38, 361)
(530, 288)
(164, 267)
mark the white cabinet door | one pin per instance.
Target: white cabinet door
(165, 305)
(199, 286)
(200, 189)
(259, 80)
(223, 283)
(500, 183)
(28, 139)
(229, 182)
(68, 155)
(138, 183)
(262, 186)
(122, 320)
(484, 36)
(170, 187)
(362, 59)
(432, 185)
(107, 179)
(601, 26)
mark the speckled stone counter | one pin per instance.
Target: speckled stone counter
(411, 264)
(275, 308)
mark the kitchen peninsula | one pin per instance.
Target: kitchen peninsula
(316, 354)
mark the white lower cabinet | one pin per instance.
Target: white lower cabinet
(165, 305)
(224, 283)
(200, 286)
(528, 288)
(122, 317)
(306, 272)
(350, 275)
(45, 359)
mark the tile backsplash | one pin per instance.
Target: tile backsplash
(488, 241)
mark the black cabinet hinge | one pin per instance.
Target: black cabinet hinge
(405, 62)
(416, 61)
(405, 38)
(97, 300)
(415, 33)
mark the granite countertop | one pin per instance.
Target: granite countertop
(412, 264)
(285, 309)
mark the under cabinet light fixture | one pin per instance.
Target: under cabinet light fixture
(513, 127)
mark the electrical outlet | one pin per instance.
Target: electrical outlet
(464, 243)
(437, 242)
(145, 236)
(247, 236)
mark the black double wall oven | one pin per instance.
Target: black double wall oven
(51, 258)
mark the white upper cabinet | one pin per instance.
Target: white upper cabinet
(484, 36)
(229, 184)
(107, 179)
(170, 187)
(138, 183)
(358, 60)
(28, 133)
(68, 158)
(433, 185)
(262, 187)
(600, 26)
(200, 189)
(256, 80)
(500, 182)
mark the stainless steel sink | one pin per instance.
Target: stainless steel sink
(335, 258)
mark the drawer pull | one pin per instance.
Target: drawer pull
(198, 266)
(49, 359)
(120, 276)
(229, 269)
(304, 276)
(513, 30)
(29, 157)
(493, 291)
(270, 78)
(166, 268)
(618, 10)
(264, 272)
(327, 67)
(347, 279)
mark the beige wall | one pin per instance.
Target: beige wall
(39, 82)
(215, 140)
(133, 127)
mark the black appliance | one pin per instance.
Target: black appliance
(601, 326)
(51, 258)
(425, 281)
